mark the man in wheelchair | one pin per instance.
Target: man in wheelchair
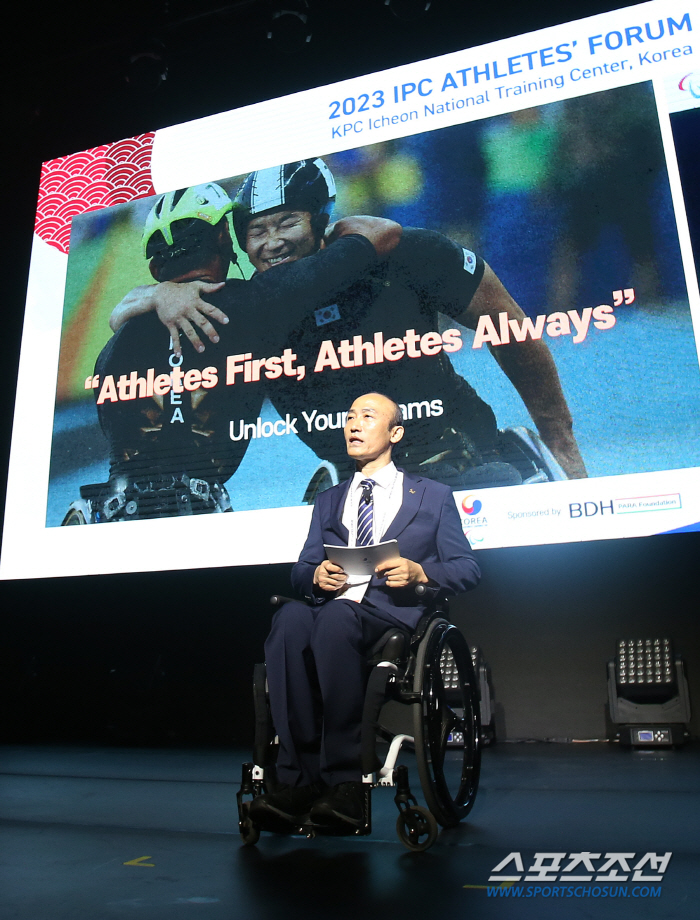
(316, 651)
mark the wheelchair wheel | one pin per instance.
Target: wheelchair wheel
(324, 477)
(528, 453)
(250, 833)
(417, 828)
(444, 678)
(73, 517)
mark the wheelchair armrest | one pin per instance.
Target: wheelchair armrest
(278, 599)
(440, 604)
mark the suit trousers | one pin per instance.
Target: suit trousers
(317, 675)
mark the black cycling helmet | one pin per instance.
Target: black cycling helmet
(305, 185)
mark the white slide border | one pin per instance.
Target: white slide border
(276, 131)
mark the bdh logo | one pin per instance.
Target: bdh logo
(471, 505)
(590, 509)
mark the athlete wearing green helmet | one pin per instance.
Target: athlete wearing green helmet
(186, 229)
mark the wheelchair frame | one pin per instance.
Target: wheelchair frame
(133, 499)
(521, 447)
(421, 689)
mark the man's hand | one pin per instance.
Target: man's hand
(182, 307)
(402, 573)
(383, 234)
(329, 576)
(179, 307)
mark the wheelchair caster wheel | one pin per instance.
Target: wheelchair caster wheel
(417, 828)
(250, 833)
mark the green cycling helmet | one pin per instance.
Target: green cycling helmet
(186, 207)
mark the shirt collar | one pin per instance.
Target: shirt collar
(383, 478)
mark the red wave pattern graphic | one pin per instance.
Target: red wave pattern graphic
(90, 180)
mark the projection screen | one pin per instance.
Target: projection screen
(537, 322)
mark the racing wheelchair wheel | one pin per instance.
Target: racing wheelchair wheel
(324, 477)
(449, 703)
(75, 515)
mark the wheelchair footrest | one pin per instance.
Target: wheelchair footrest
(252, 785)
(416, 826)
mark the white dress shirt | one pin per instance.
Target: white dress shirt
(387, 495)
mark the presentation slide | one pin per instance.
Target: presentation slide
(206, 301)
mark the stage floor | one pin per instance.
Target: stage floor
(92, 833)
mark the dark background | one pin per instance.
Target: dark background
(166, 658)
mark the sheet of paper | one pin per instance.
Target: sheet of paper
(362, 560)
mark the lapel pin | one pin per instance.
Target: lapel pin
(412, 491)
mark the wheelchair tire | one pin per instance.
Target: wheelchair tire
(250, 833)
(415, 823)
(434, 719)
(74, 516)
(324, 477)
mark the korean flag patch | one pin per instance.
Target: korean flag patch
(328, 314)
(469, 261)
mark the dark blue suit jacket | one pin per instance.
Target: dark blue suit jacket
(428, 530)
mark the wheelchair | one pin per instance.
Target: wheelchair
(421, 692)
(132, 499)
(522, 459)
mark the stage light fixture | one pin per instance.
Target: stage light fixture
(648, 693)
(290, 29)
(147, 68)
(408, 10)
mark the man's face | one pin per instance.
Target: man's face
(280, 236)
(369, 430)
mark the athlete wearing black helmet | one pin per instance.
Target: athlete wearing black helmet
(278, 217)
(170, 445)
(304, 186)
(427, 274)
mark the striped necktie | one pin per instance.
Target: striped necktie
(365, 514)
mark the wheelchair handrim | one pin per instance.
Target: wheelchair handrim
(431, 734)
